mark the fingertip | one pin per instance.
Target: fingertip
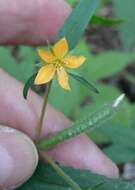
(18, 158)
(50, 21)
(40, 21)
(113, 170)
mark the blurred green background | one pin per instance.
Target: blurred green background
(110, 66)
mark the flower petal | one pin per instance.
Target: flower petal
(47, 56)
(45, 74)
(74, 62)
(63, 78)
(61, 48)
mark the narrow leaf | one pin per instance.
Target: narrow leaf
(106, 21)
(28, 84)
(83, 81)
(90, 122)
(76, 23)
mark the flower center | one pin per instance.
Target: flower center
(58, 63)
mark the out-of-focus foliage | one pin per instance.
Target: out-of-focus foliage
(20, 68)
(46, 178)
(72, 2)
(106, 21)
(125, 9)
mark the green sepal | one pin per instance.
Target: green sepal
(28, 84)
(84, 82)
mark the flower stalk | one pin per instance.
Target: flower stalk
(40, 126)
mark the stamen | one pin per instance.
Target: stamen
(58, 64)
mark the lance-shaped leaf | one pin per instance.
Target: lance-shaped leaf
(28, 84)
(76, 23)
(90, 122)
(83, 81)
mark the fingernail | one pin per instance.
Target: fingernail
(6, 165)
(18, 158)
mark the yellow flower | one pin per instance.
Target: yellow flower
(56, 61)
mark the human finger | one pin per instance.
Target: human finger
(31, 22)
(79, 152)
(18, 158)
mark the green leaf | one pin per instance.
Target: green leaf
(90, 122)
(106, 21)
(120, 134)
(106, 64)
(22, 70)
(120, 153)
(76, 23)
(72, 2)
(28, 84)
(46, 178)
(125, 9)
(83, 81)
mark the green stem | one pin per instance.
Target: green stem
(61, 173)
(39, 130)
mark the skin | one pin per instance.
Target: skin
(40, 21)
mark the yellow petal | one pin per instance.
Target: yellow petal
(63, 78)
(45, 74)
(60, 49)
(74, 62)
(47, 56)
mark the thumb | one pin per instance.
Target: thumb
(18, 158)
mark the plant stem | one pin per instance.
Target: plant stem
(39, 130)
(61, 173)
